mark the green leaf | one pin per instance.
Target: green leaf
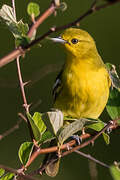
(63, 6)
(96, 126)
(53, 121)
(70, 129)
(115, 172)
(25, 151)
(37, 117)
(23, 40)
(52, 169)
(35, 129)
(2, 171)
(7, 17)
(8, 176)
(106, 138)
(22, 28)
(46, 137)
(113, 105)
(33, 8)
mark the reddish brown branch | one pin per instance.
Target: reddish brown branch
(39, 21)
(26, 106)
(91, 141)
(16, 172)
(19, 51)
(111, 125)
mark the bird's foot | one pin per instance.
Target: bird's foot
(77, 139)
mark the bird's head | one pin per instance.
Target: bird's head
(77, 42)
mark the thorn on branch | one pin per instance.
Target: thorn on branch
(93, 6)
(27, 106)
(53, 29)
(22, 116)
(92, 143)
(26, 83)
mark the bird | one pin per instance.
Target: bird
(81, 89)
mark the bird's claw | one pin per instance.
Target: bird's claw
(77, 139)
(108, 130)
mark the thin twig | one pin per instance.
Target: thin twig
(11, 130)
(92, 9)
(20, 50)
(54, 149)
(91, 141)
(26, 106)
(42, 18)
(88, 156)
(110, 125)
(22, 117)
(16, 172)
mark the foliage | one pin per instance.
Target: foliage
(33, 9)
(52, 126)
(115, 172)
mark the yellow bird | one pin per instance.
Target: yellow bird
(82, 87)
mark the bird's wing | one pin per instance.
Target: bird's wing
(57, 85)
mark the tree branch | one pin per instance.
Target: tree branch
(16, 172)
(25, 105)
(42, 18)
(21, 50)
(88, 156)
(111, 125)
(91, 141)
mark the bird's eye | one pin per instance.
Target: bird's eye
(74, 41)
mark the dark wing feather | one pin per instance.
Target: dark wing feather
(57, 85)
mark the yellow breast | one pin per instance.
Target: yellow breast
(85, 92)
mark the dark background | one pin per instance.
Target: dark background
(104, 26)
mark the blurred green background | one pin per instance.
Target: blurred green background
(104, 26)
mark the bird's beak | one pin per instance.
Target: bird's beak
(58, 40)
